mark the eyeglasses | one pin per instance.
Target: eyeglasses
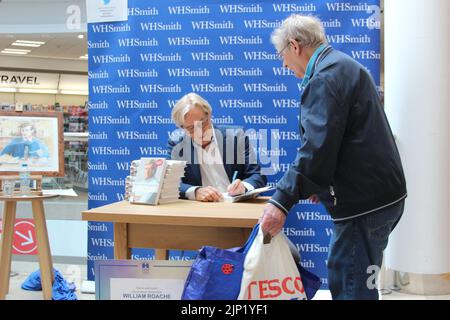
(204, 121)
(279, 54)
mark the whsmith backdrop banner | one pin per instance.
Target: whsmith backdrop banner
(221, 50)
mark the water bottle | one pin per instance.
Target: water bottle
(24, 176)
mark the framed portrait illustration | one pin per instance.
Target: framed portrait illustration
(34, 138)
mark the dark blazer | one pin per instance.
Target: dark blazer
(237, 156)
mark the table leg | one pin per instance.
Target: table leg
(121, 249)
(161, 254)
(9, 213)
(45, 258)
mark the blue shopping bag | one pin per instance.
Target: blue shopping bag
(216, 273)
(311, 282)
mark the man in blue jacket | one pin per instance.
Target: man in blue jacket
(215, 155)
(348, 159)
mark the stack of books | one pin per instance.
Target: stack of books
(154, 181)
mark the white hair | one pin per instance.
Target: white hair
(307, 30)
(186, 104)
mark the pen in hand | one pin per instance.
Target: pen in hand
(234, 176)
(236, 187)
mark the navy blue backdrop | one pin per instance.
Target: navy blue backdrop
(221, 50)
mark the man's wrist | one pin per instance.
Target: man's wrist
(279, 206)
(191, 193)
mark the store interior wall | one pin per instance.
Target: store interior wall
(58, 24)
(44, 99)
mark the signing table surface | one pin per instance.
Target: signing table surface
(183, 225)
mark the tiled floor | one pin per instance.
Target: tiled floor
(77, 274)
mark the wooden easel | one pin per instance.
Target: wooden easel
(9, 216)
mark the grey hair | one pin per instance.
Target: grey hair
(186, 104)
(308, 30)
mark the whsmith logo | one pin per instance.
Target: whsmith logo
(212, 25)
(98, 45)
(188, 41)
(223, 120)
(155, 120)
(101, 59)
(136, 135)
(189, 10)
(239, 8)
(105, 28)
(332, 23)
(97, 197)
(111, 89)
(281, 71)
(100, 105)
(136, 73)
(137, 104)
(111, 120)
(120, 196)
(98, 135)
(109, 151)
(159, 26)
(310, 247)
(271, 153)
(286, 103)
(97, 227)
(240, 40)
(153, 151)
(104, 181)
(280, 167)
(241, 72)
(366, 23)
(99, 256)
(313, 216)
(240, 104)
(265, 119)
(261, 24)
(99, 166)
(292, 7)
(293, 232)
(264, 87)
(159, 88)
(143, 12)
(366, 55)
(159, 57)
(285, 135)
(187, 72)
(211, 56)
(98, 75)
(123, 166)
(101, 242)
(260, 55)
(136, 42)
(210, 87)
(346, 38)
(346, 6)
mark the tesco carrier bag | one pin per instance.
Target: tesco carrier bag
(270, 272)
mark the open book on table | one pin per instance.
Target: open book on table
(245, 196)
